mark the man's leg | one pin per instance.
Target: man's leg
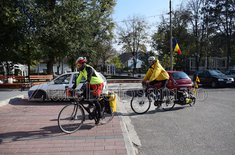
(96, 91)
(98, 109)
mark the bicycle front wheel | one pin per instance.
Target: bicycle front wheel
(71, 118)
(140, 105)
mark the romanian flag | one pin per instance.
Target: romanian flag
(176, 47)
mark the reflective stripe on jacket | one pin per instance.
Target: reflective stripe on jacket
(156, 72)
(90, 74)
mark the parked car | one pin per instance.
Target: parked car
(179, 80)
(214, 78)
(55, 89)
(230, 73)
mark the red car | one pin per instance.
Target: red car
(179, 80)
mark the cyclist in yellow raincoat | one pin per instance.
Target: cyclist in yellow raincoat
(156, 73)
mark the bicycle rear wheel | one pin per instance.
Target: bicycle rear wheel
(140, 105)
(168, 100)
(71, 118)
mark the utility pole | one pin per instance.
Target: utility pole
(171, 54)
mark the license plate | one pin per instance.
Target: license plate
(229, 82)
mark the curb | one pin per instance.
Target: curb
(131, 138)
(5, 102)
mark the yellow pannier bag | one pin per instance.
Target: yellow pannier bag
(112, 101)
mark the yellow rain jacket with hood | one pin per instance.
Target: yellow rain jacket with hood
(156, 72)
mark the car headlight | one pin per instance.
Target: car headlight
(220, 79)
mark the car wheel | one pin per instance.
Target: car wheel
(213, 84)
(39, 94)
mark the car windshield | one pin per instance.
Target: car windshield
(180, 75)
(215, 72)
(232, 72)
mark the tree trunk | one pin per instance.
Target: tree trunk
(50, 67)
(28, 71)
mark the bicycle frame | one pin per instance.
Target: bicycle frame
(82, 102)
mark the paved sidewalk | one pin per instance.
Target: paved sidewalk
(30, 128)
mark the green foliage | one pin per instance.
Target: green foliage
(132, 35)
(161, 38)
(221, 19)
(117, 62)
(54, 29)
(205, 28)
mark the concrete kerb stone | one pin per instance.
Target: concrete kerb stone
(5, 102)
(131, 138)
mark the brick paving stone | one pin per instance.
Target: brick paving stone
(30, 128)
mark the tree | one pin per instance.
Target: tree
(9, 36)
(161, 38)
(73, 28)
(133, 36)
(117, 62)
(221, 17)
(95, 29)
(198, 26)
(106, 52)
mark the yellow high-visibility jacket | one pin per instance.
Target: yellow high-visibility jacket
(90, 74)
(156, 72)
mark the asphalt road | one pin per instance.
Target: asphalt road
(207, 128)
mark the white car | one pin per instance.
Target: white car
(55, 89)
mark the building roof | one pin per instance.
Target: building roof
(125, 57)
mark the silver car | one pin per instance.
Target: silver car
(56, 89)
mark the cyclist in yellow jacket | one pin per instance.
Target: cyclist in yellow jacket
(156, 73)
(94, 82)
(93, 79)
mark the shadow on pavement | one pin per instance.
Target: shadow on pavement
(154, 111)
(43, 133)
(20, 101)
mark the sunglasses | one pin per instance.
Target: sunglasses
(78, 65)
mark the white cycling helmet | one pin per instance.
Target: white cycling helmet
(151, 58)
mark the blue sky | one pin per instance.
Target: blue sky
(149, 9)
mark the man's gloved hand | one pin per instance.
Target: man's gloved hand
(145, 83)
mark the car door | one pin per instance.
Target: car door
(208, 78)
(75, 75)
(56, 88)
(203, 78)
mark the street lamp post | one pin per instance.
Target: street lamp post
(171, 54)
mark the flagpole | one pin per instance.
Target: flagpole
(171, 54)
